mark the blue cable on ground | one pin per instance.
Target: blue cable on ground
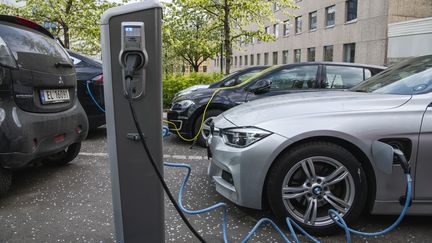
(93, 98)
(290, 223)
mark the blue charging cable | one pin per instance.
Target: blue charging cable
(290, 223)
(93, 98)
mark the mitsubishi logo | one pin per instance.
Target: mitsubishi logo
(61, 81)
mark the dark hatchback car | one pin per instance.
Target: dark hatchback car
(232, 79)
(90, 88)
(40, 116)
(187, 110)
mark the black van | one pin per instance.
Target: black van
(40, 116)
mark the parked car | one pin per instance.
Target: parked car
(306, 153)
(89, 73)
(40, 117)
(229, 80)
(186, 111)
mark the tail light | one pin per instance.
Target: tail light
(98, 79)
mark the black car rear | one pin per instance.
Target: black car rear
(90, 88)
(40, 116)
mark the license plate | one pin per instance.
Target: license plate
(54, 96)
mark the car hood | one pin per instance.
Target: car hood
(310, 103)
(196, 94)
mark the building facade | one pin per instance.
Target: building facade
(330, 30)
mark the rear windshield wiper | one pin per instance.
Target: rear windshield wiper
(63, 64)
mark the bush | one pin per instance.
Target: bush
(172, 84)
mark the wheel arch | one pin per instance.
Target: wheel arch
(351, 147)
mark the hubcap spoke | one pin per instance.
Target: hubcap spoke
(337, 203)
(293, 192)
(338, 175)
(311, 212)
(309, 169)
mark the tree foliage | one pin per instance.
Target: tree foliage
(236, 17)
(190, 33)
(74, 22)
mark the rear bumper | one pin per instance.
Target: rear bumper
(26, 136)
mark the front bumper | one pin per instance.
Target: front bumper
(182, 121)
(26, 136)
(240, 173)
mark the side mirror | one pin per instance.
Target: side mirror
(261, 86)
(384, 155)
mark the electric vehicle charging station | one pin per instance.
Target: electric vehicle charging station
(133, 32)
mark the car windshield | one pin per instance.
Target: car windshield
(27, 44)
(410, 77)
(247, 81)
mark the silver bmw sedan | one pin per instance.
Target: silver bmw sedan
(303, 154)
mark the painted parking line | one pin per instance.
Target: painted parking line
(165, 156)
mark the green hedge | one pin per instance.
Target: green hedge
(172, 84)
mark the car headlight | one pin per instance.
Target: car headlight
(243, 137)
(182, 105)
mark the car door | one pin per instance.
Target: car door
(291, 79)
(343, 77)
(423, 172)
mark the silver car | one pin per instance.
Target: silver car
(306, 153)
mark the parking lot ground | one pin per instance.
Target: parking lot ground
(73, 204)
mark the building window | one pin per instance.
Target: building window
(349, 52)
(246, 60)
(266, 57)
(284, 57)
(298, 25)
(330, 16)
(235, 61)
(276, 30)
(240, 61)
(204, 69)
(252, 60)
(286, 28)
(258, 59)
(275, 58)
(311, 54)
(351, 10)
(313, 20)
(328, 53)
(297, 55)
(267, 30)
(275, 7)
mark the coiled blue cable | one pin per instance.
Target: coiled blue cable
(290, 223)
(93, 98)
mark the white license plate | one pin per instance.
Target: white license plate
(54, 96)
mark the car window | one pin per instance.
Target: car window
(299, 77)
(75, 60)
(23, 42)
(367, 73)
(342, 77)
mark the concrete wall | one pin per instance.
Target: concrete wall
(403, 10)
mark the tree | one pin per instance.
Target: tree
(236, 18)
(189, 33)
(74, 22)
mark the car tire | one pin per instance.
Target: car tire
(5, 181)
(201, 140)
(308, 202)
(66, 156)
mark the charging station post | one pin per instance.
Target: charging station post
(134, 31)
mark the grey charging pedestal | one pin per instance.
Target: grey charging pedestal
(137, 193)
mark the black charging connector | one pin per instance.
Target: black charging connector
(133, 61)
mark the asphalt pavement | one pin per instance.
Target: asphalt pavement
(73, 203)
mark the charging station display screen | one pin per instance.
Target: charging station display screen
(132, 31)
